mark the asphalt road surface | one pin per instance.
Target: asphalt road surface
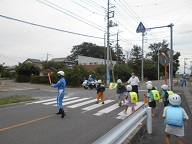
(36, 122)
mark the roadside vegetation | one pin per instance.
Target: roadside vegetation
(15, 99)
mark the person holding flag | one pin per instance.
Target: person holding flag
(61, 85)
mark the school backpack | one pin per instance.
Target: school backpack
(121, 88)
(101, 88)
(154, 95)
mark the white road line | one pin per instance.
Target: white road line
(122, 115)
(43, 101)
(82, 104)
(96, 106)
(65, 99)
(70, 102)
(107, 110)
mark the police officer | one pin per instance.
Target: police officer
(61, 84)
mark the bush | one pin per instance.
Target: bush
(22, 78)
(42, 79)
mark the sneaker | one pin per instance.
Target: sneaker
(97, 102)
(102, 102)
(120, 104)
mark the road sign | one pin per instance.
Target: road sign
(141, 28)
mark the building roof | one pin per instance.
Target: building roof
(33, 60)
(59, 59)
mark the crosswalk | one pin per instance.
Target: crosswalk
(88, 104)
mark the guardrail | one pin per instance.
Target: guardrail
(119, 133)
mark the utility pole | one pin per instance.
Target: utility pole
(47, 56)
(107, 73)
(109, 24)
(158, 61)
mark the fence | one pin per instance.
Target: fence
(119, 133)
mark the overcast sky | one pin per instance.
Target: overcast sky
(78, 21)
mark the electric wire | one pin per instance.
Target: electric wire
(79, 19)
(52, 28)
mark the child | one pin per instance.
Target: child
(165, 95)
(151, 102)
(100, 91)
(146, 101)
(119, 91)
(131, 99)
(174, 116)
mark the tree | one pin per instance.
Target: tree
(27, 69)
(74, 76)
(163, 47)
(136, 55)
(119, 54)
(51, 64)
(87, 49)
(122, 71)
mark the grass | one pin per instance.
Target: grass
(15, 99)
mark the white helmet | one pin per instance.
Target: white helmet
(99, 81)
(61, 73)
(129, 88)
(119, 81)
(175, 99)
(149, 82)
(90, 75)
(149, 86)
(165, 87)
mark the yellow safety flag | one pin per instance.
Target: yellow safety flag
(112, 86)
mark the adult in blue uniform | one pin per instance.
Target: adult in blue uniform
(61, 84)
(184, 80)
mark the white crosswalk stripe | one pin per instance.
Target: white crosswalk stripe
(75, 102)
(66, 99)
(122, 115)
(70, 102)
(96, 106)
(82, 104)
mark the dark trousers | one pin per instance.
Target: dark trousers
(135, 89)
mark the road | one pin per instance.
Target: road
(36, 121)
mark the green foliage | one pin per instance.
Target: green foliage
(5, 73)
(89, 50)
(162, 47)
(100, 73)
(51, 64)
(22, 78)
(122, 71)
(74, 76)
(150, 70)
(15, 99)
(119, 54)
(27, 69)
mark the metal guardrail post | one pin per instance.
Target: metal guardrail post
(119, 133)
(149, 120)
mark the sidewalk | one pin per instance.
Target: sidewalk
(158, 131)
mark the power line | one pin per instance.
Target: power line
(79, 19)
(52, 28)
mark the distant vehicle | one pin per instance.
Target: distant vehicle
(86, 84)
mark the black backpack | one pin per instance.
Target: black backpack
(166, 96)
(121, 88)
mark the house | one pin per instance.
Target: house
(84, 60)
(11, 69)
(63, 60)
(36, 62)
